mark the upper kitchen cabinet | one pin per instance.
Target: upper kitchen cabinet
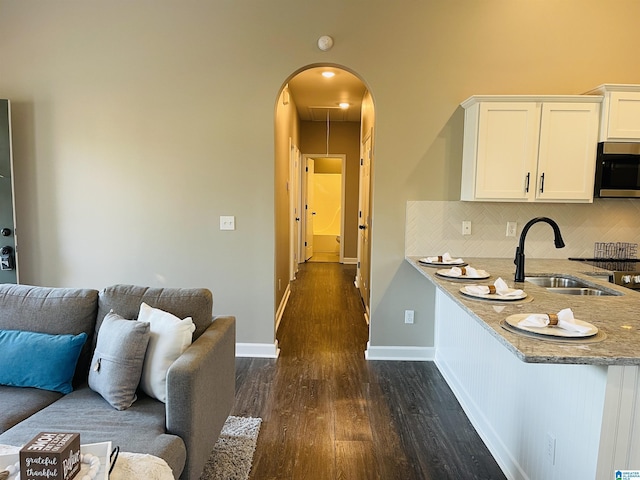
(529, 148)
(620, 118)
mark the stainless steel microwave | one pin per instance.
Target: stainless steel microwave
(617, 170)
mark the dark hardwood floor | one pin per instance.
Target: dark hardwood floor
(330, 414)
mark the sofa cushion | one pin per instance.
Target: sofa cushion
(19, 403)
(196, 303)
(51, 310)
(139, 429)
(169, 338)
(40, 360)
(118, 358)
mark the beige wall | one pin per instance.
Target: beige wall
(344, 138)
(367, 136)
(137, 124)
(287, 128)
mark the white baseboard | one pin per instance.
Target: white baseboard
(257, 350)
(420, 354)
(283, 305)
(349, 261)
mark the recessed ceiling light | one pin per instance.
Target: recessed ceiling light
(343, 105)
(328, 74)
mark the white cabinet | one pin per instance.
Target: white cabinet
(620, 118)
(526, 149)
(500, 150)
(567, 152)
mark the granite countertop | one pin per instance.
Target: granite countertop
(616, 316)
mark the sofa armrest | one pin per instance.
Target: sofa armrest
(201, 392)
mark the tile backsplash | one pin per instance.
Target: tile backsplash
(435, 227)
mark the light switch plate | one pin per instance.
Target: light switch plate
(466, 227)
(227, 222)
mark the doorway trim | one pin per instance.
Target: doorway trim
(8, 218)
(343, 161)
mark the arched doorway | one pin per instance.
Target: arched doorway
(310, 120)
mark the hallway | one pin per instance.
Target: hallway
(329, 414)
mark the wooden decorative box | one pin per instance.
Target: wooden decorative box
(51, 456)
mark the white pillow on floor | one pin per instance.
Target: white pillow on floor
(169, 338)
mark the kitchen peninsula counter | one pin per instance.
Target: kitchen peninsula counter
(615, 315)
(544, 409)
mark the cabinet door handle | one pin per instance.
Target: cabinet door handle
(542, 183)
(526, 182)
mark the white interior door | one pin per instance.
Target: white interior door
(309, 212)
(364, 224)
(294, 207)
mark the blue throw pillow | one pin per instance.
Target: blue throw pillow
(40, 360)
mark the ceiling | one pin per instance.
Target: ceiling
(315, 95)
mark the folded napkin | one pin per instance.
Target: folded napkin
(466, 271)
(563, 319)
(500, 288)
(444, 258)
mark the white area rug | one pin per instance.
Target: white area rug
(232, 454)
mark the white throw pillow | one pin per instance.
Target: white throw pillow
(169, 338)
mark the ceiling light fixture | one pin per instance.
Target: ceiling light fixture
(344, 105)
(328, 74)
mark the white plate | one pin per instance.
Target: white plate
(101, 450)
(513, 320)
(424, 261)
(443, 273)
(494, 296)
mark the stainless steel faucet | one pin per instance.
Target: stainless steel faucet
(519, 260)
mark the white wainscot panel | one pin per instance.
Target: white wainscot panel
(518, 407)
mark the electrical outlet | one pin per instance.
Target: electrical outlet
(551, 448)
(408, 316)
(466, 227)
(511, 229)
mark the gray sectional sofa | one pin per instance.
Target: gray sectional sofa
(200, 384)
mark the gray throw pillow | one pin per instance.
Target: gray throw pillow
(117, 361)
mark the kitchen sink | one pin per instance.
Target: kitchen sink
(556, 281)
(578, 291)
(569, 285)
